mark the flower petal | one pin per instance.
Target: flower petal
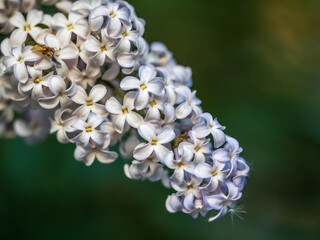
(134, 119)
(129, 83)
(203, 170)
(142, 151)
(166, 135)
(113, 106)
(97, 93)
(147, 132)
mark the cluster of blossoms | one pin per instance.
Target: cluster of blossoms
(87, 74)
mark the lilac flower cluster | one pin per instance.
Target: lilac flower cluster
(87, 75)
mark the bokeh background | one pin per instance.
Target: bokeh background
(256, 67)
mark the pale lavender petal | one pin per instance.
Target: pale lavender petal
(166, 135)
(203, 170)
(147, 132)
(113, 106)
(129, 83)
(142, 151)
(97, 93)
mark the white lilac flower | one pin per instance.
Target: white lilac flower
(25, 27)
(149, 168)
(17, 57)
(89, 103)
(123, 113)
(35, 83)
(89, 153)
(190, 102)
(213, 172)
(127, 36)
(73, 24)
(89, 130)
(223, 202)
(62, 126)
(155, 141)
(210, 126)
(189, 186)
(116, 17)
(181, 165)
(61, 94)
(103, 50)
(155, 107)
(199, 147)
(148, 83)
(85, 77)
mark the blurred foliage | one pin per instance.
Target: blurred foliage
(256, 67)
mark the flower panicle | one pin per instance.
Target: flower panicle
(87, 75)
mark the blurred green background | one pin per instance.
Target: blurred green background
(256, 67)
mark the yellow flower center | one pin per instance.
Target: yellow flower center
(88, 129)
(209, 127)
(152, 103)
(124, 35)
(27, 28)
(180, 164)
(189, 186)
(143, 87)
(125, 111)
(153, 142)
(70, 27)
(89, 103)
(103, 48)
(196, 149)
(214, 173)
(112, 15)
(37, 80)
(20, 60)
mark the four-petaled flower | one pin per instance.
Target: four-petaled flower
(123, 113)
(148, 83)
(155, 141)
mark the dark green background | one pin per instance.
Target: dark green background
(256, 67)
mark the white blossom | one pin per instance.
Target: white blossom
(61, 94)
(148, 83)
(89, 130)
(89, 102)
(123, 113)
(155, 142)
(25, 27)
